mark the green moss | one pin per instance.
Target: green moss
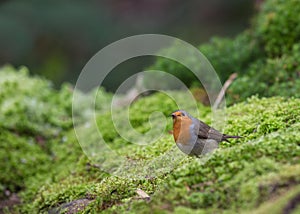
(231, 55)
(279, 203)
(42, 161)
(270, 77)
(20, 157)
(265, 56)
(257, 117)
(277, 26)
(226, 55)
(27, 104)
(238, 178)
(49, 169)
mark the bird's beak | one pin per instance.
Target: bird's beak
(173, 115)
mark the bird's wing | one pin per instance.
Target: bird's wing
(204, 131)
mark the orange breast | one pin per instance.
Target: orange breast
(181, 131)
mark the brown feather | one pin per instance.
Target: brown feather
(207, 132)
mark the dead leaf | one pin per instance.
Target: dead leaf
(142, 194)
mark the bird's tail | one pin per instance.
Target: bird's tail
(225, 137)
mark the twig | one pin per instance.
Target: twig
(223, 90)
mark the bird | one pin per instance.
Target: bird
(193, 137)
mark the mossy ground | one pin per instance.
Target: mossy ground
(42, 161)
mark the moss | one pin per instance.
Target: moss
(49, 170)
(270, 77)
(279, 203)
(277, 26)
(226, 55)
(21, 158)
(27, 104)
(42, 161)
(231, 179)
(265, 56)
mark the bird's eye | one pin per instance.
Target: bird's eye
(182, 114)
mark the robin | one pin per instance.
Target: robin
(194, 137)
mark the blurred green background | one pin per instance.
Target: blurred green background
(56, 39)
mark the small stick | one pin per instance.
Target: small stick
(223, 90)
